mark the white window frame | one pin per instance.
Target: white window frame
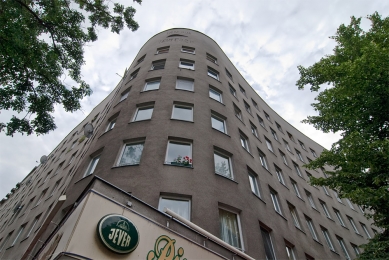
(267, 116)
(232, 90)
(124, 148)
(178, 143)
(180, 106)
(343, 247)
(238, 225)
(254, 184)
(215, 117)
(111, 124)
(269, 145)
(263, 160)
(124, 95)
(365, 229)
(188, 49)
(295, 217)
(183, 66)
(274, 134)
(350, 204)
(261, 122)
(300, 156)
(311, 228)
(211, 58)
(325, 209)
(247, 107)
(216, 93)
(143, 108)
(310, 199)
(296, 188)
(351, 220)
(162, 50)
(276, 202)
(92, 165)
(280, 176)
(158, 63)
(290, 252)
(264, 230)
(229, 75)
(244, 141)
(254, 130)
(185, 79)
(18, 235)
(297, 168)
(242, 90)
(313, 153)
(151, 81)
(283, 156)
(302, 145)
(176, 198)
(326, 191)
(238, 113)
(339, 217)
(215, 152)
(328, 239)
(213, 73)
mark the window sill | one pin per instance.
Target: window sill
(258, 197)
(316, 210)
(156, 69)
(284, 185)
(217, 174)
(119, 102)
(331, 219)
(21, 215)
(24, 239)
(85, 177)
(182, 120)
(358, 234)
(272, 152)
(257, 138)
(215, 79)
(120, 166)
(139, 121)
(300, 230)
(105, 133)
(281, 215)
(345, 227)
(176, 165)
(217, 101)
(221, 132)
(144, 91)
(186, 90)
(287, 166)
(9, 247)
(35, 206)
(193, 53)
(264, 127)
(49, 197)
(241, 120)
(317, 241)
(267, 170)
(186, 68)
(333, 251)
(300, 198)
(247, 151)
(302, 177)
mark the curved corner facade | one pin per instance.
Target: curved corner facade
(184, 130)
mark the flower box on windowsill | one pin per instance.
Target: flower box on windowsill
(181, 164)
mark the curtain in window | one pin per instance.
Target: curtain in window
(229, 230)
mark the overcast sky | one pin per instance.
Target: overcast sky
(265, 40)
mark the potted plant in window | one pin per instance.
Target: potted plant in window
(185, 161)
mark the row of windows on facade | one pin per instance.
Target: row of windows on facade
(215, 74)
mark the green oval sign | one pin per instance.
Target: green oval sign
(118, 233)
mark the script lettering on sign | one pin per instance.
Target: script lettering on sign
(164, 249)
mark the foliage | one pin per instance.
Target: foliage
(41, 42)
(356, 104)
(82, 138)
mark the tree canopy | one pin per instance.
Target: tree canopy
(355, 103)
(41, 41)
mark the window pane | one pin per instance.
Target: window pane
(215, 95)
(131, 154)
(222, 165)
(254, 185)
(218, 124)
(268, 245)
(176, 150)
(183, 113)
(275, 202)
(144, 114)
(152, 85)
(92, 165)
(185, 84)
(229, 229)
(181, 207)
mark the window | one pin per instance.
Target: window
(131, 154)
(267, 243)
(163, 50)
(328, 239)
(92, 165)
(73, 145)
(276, 204)
(232, 90)
(134, 74)
(287, 145)
(325, 209)
(242, 90)
(111, 124)
(361, 209)
(280, 175)
(188, 49)
(55, 187)
(337, 197)
(255, 104)
(353, 225)
(229, 228)
(59, 168)
(140, 60)
(350, 204)
(254, 184)
(238, 113)
(302, 145)
(143, 113)
(365, 229)
(299, 155)
(260, 120)
(313, 153)
(213, 73)
(179, 153)
(269, 145)
(222, 165)
(267, 116)
(262, 158)
(179, 206)
(182, 112)
(152, 85)
(72, 158)
(124, 95)
(247, 107)
(5, 241)
(218, 123)
(158, 65)
(290, 252)
(254, 130)
(283, 157)
(310, 199)
(274, 134)
(340, 219)
(18, 235)
(356, 249)
(295, 188)
(311, 228)
(211, 58)
(295, 217)
(185, 84)
(229, 75)
(326, 191)
(297, 168)
(244, 142)
(186, 64)
(215, 94)
(41, 197)
(279, 127)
